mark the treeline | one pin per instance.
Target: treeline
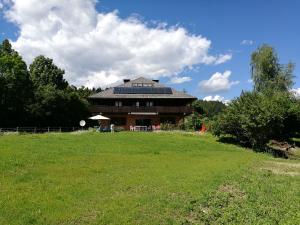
(270, 111)
(38, 96)
(208, 108)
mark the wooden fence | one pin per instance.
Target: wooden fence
(40, 129)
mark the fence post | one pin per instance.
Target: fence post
(73, 128)
(48, 129)
(34, 129)
(59, 129)
(17, 129)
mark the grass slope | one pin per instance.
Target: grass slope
(142, 178)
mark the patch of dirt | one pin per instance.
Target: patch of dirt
(284, 149)
(211, 209)
(282, 168)
(232, 190)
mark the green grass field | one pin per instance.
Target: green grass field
(142, 178)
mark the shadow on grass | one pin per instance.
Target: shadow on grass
(296, 142)
(232, 140)
(277, 153)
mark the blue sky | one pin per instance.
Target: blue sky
(225, 23)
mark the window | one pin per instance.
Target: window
(149, 104)
(118, 103)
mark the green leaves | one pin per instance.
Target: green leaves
(39, 97)
(55, 102)
(255, 118)
(270, 111)
(15, 87)
(208, 108)
(268, 73)
(44, 72)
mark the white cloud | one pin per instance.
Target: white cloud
(250, 81)
(180, 80)
(296, 92)
(97, 49)
(217, 83)
(216, 98)
(223, 58)
(247, 42)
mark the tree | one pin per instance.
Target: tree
(270, 111)
(268, 73)
(208, 108)
(255, 118)
(85, 92)
(15, 87)
(55, 102)
(44, 72)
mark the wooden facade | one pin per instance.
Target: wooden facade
(147, 110)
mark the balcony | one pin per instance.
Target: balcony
(129, 109)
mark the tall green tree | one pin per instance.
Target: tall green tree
(255, 118)
(270, 111)
(55, 102)
(208, 108)
(15, 87)
(268, 73)
(44, 72)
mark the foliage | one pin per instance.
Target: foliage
(140, 178)
(55, 102)
(268, 73)
(269, 111)
(255, 118)
(193, 122)
(168, 126)
(15, 87)
(40, 96)
(208, 108)
(43, 72)
(85, 92)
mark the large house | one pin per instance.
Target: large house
(141, 104)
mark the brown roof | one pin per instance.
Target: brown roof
(109, 93)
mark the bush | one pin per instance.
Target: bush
(255, 118)
(119, 129)
(193, 122)
(168, 126)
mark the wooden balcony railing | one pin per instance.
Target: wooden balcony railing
(128, 109)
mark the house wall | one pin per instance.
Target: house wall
(155, 119)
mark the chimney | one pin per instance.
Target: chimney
(126, 80)
(157, 81)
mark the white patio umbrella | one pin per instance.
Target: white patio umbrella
(99, 117)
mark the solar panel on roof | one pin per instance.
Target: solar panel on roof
(142, 90)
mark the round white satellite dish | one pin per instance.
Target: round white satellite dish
(82, 123)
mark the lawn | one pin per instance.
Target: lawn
(142, 178)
